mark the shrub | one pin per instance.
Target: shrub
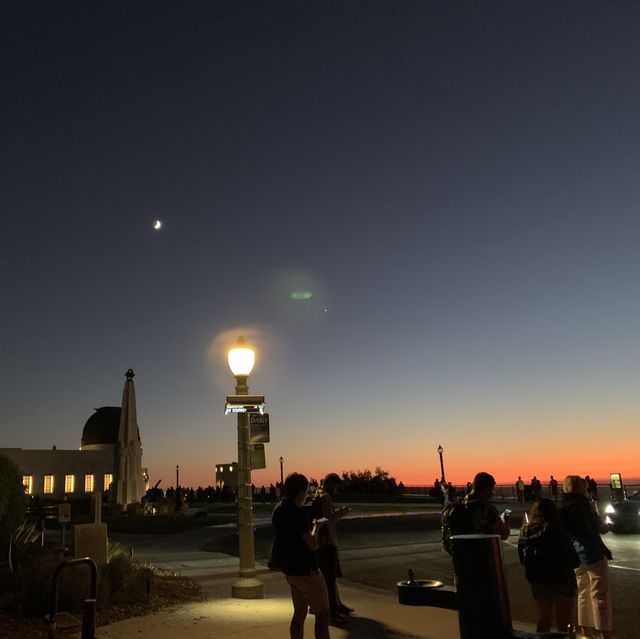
(13, 501)
(27, 592)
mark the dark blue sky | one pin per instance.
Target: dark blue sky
(456, 183)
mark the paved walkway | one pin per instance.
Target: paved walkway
(378, 614)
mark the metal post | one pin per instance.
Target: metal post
(483, 598)
(247, 586)
(281, 474)
(89, 619)
(177, 476)
(440, 451)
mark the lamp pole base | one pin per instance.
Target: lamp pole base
(248, 588)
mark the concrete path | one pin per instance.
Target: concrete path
(378, 614)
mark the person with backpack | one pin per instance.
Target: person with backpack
(549, 558)
(475, 513)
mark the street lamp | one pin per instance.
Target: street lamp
(440, 451)
(241, 359)
(281, 474)
(177, 476)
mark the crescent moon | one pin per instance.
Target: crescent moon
(157, 225)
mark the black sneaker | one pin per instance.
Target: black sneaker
(345, 610)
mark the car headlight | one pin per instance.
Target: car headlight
(610, 509)
(607, 520)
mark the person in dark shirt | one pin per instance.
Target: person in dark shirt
(294, 551)
(328, 560)
(549, 558)
(484, 515)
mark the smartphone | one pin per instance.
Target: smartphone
(321, 520)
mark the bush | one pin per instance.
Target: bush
(27, 591)
(13, 501)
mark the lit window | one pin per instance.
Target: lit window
(230, 469)
(88, 483)
(27, 482)
(48, 484)
(69, 483)
(108, 478)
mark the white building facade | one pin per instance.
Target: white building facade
(109, 459)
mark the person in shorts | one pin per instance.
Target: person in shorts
(294, 549)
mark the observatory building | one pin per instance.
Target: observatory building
(109, 459)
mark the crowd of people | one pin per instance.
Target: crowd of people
(559, 545)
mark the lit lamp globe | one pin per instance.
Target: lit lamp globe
(241, 359)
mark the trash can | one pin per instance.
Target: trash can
(483, 599)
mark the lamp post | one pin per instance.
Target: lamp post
(247, 586)
(281, 474)
(177, 476)
(440, 451)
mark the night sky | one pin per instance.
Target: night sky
(456, 183)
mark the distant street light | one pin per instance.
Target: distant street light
(281, 474)
(177, 476)
(440, 451)
(241, 359)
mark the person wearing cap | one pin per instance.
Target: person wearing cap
(328, 560)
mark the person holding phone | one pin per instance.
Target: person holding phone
(549, 558)
(294, 553)
(328, 560)
(484, 515)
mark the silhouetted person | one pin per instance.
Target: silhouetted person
(484, 515)
(437, 491)
(520, 489)
(328, 560)
(553, 488)
(536, 488)
(549, 558)
(294, 546)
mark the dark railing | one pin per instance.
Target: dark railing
(506, 492)
(89, 612)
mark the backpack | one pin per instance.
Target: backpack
(456, 520)
(532, 558)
